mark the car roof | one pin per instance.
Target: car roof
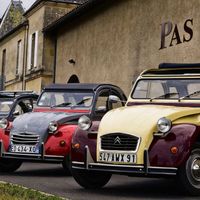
(77, 86)
(174, 69)
(17, 94)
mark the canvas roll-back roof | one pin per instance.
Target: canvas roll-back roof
(76, 86)
(174, 69)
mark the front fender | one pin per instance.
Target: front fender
(60, 142)
(4, 136)
(182, 136)
(84, 138)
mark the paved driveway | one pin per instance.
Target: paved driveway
(50, 178)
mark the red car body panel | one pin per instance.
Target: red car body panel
(4, 136)
(84, 138)
(60, 142)
(182, 136)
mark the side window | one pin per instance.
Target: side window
(23, 106)
(102, 102)
(33, 103)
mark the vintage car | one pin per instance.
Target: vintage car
(157, 133)
(14, 103)
(45, 134)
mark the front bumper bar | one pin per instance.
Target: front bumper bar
(137, 170)
(31, 156)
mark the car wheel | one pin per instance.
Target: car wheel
(9, 165)
(189, 173)
(91, 180)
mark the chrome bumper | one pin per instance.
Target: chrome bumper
(135, 170)
(30, 156)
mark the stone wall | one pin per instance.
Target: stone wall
(117, 42)
(10, 45)
(53, 13)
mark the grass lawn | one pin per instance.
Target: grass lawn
(14, 192)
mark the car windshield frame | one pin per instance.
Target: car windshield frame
(66, 104)
(170, 97)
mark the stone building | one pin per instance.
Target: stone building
(26, 56)
(100, 40)
(113, 41)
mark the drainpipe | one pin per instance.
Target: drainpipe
(25, 57)
(55, 59)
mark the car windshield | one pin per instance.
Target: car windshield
(5, 106)
(167, 89)
(66, 99)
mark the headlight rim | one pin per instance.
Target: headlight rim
(87, 125)
(53, 124)
(165, 131)
(5, 124)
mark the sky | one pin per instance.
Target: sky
(4, 4)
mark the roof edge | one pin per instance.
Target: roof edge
(14, 30)
(34, 5)
(80, 10)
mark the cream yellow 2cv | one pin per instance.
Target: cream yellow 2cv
(157, 133)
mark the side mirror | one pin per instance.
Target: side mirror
(29, 107)
(114, 99)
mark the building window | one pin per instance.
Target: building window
(3, 66)
(33, 50)
(19, 58)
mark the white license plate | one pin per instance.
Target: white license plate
(24, 149)
(117, 157)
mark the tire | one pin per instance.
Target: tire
(9, 165)
(189, 173)
(91, 179)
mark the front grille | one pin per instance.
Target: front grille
(24, 138)
(119, 141)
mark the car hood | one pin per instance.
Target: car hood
(141, 121)
(38, 122)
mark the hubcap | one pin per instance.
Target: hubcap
(195, 169)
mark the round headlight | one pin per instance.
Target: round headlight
(84, 123)
(164, 125)
(53, 126)
(3, 123)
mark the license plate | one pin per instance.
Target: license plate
(117, 157)
(24, 149)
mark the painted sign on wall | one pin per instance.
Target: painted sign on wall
(171, 31)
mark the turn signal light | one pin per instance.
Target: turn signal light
(62, 143)
(76, 146)
(174, 150)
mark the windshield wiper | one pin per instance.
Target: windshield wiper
(189, 95)
(167, 95)
(83, 101)
(61, 105)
